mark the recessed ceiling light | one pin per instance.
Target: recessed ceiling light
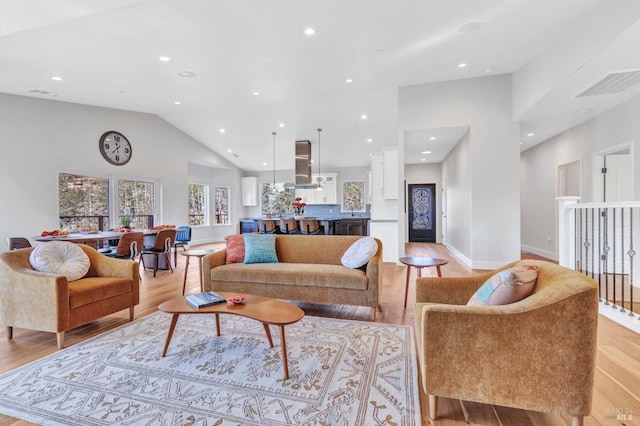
(309, 31)
(349, 80)
(489, 69)
(187, 74)
(369, 140)
(423, 159)
(176, 103)
(281, 124)
(433, 138)
(264, 163)
(56, 78)
(363, 116)
(469, 26)
(462, 65)
(222, 130)
(426, 152)
(229, 151)
(256, 93)
(164, 58)
(530, 134)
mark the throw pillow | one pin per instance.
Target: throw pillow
(508, 286)
(360, 252)
(260, 248)
(235, 248)
(60, 258)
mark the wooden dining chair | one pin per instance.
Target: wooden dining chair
(289, 226)
(129, 246)
(161, 247)
(18, 243)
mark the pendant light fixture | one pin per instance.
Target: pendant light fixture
(273, 187)
(319, 179)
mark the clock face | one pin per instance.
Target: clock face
(115, 148)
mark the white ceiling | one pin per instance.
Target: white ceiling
(107, 53)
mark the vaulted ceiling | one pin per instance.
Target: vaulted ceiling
(237, 70)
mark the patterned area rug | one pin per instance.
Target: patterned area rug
(342, 372)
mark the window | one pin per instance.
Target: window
(198, 201)
(135, 203)
(83, 202)
(280, 201)
(221, 201)
(353, 197)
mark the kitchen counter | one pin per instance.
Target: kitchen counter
(333, 225)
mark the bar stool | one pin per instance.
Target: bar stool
(289, 226)
(267, 226)
(310, 227)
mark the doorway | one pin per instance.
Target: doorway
(421, 212)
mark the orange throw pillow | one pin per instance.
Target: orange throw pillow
(235, 248)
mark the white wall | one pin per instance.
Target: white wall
(425, 173)
(492, 194)
(617, 126)
(41, 138)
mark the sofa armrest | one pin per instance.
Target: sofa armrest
(32, 299)
(448, 290)
(210, 261)
(105, 266)
(373, 274)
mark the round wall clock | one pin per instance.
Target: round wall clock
(115, 148)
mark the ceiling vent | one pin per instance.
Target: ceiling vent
(612, 83)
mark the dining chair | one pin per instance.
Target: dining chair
(267, 226)
(289, 226)
(18, 243)
(183, 237)
(161, 247)
(129, 246)
(310, 227)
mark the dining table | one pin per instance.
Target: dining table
(93, 239)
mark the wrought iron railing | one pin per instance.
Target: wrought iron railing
(601, 240)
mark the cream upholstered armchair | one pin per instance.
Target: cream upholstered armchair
(536, 354)
(47, 302)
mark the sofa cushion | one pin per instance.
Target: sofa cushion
(60, 258)
(89, 290)
(360, 252)
(235, 248)
(507, 286)
(298, 274)
(260, 248)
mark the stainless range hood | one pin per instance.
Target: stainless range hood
(303, 165)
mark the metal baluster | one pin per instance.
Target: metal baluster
(586, 241)
(600, 258)
(614, 258)
(622, 260)
(605, 259)
(577, 237)
(631, 253)
(593, 237)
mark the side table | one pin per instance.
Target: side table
(419, 263)
(194, 253)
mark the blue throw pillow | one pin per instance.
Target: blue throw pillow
(260, 248)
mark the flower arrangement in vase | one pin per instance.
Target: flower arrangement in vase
(298, 207)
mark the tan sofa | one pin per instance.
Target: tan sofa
(46, 302)
(309, 269)
(536, 354)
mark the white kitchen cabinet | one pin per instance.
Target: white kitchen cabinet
(250, 191)
(329, 193)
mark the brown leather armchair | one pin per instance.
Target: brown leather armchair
(47, 302)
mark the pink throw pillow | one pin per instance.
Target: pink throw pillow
(508, 286)
(235, 248)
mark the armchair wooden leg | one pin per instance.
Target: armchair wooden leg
(433, 407)
(60, 338)
(577, 421)
(9, 333)
(131, 309)
(373, 313)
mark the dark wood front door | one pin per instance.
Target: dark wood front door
(422, 208)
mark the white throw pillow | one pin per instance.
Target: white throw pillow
(60, 258)
(360, 252)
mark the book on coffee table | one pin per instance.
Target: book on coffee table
(208, 298)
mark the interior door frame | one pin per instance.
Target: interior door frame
(597, 158)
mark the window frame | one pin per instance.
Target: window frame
(206, 203)
(215, 194)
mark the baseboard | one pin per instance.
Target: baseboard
(464, 259)
(539, 252)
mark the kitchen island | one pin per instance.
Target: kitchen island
(330, 225)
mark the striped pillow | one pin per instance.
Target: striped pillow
(508, 286)
(235, 248)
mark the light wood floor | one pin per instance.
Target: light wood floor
(617, 381)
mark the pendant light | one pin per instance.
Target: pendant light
(319, 187)
(273, 187)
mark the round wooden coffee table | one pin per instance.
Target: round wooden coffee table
(267, 311)
(419, 263)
